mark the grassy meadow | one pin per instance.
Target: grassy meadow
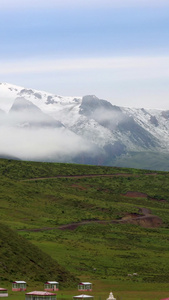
(102, 288)
(38, 199)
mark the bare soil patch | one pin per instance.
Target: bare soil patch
(148, 221)
(78, 187)
(135, 194)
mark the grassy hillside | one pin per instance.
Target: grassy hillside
(125, 212)
(21, 260)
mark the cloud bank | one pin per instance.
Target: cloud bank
(28, 133)
(42, 144)
(155, 66)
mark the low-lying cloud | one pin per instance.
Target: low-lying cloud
(26, 132)
(42, 144)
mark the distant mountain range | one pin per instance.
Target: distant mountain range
(37, 125)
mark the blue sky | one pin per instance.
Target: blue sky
(117, 50)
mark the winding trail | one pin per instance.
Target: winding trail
(88, 176)
(144, 218)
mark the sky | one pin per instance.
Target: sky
(116, 50)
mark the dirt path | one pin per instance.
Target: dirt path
(79, 176)
(88, 176)
(146, 220)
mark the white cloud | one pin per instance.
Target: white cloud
(124, 67)
(42, 143)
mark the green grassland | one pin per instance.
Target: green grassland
(37, 199)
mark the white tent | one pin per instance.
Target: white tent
(83, 297)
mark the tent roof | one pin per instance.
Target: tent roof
(19, 281)
(83, 296)
(40, 293)
(85, 283)
(52, 282)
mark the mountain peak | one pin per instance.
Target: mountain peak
(22, 104)
(91, 104)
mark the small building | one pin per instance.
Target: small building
(86, 297)
(85, 286)
(111, 297)
(3, 292)
(51, 286)
(39, 295)
(18, 286)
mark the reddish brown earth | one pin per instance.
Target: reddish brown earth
(135, 194)
(141, 195)
(78, 186)
(146, 220)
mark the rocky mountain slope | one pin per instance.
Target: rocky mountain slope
(78, 129)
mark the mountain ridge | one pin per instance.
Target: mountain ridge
(99, 131)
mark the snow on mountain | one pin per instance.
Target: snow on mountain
(94, 123)
(154, 121)
(24, 113)
(32, 127)
(45, 101)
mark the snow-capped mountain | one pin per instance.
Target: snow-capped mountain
(78, 129)
(24, 113)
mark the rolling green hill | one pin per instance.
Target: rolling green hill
(20, 259)
(96, 222)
